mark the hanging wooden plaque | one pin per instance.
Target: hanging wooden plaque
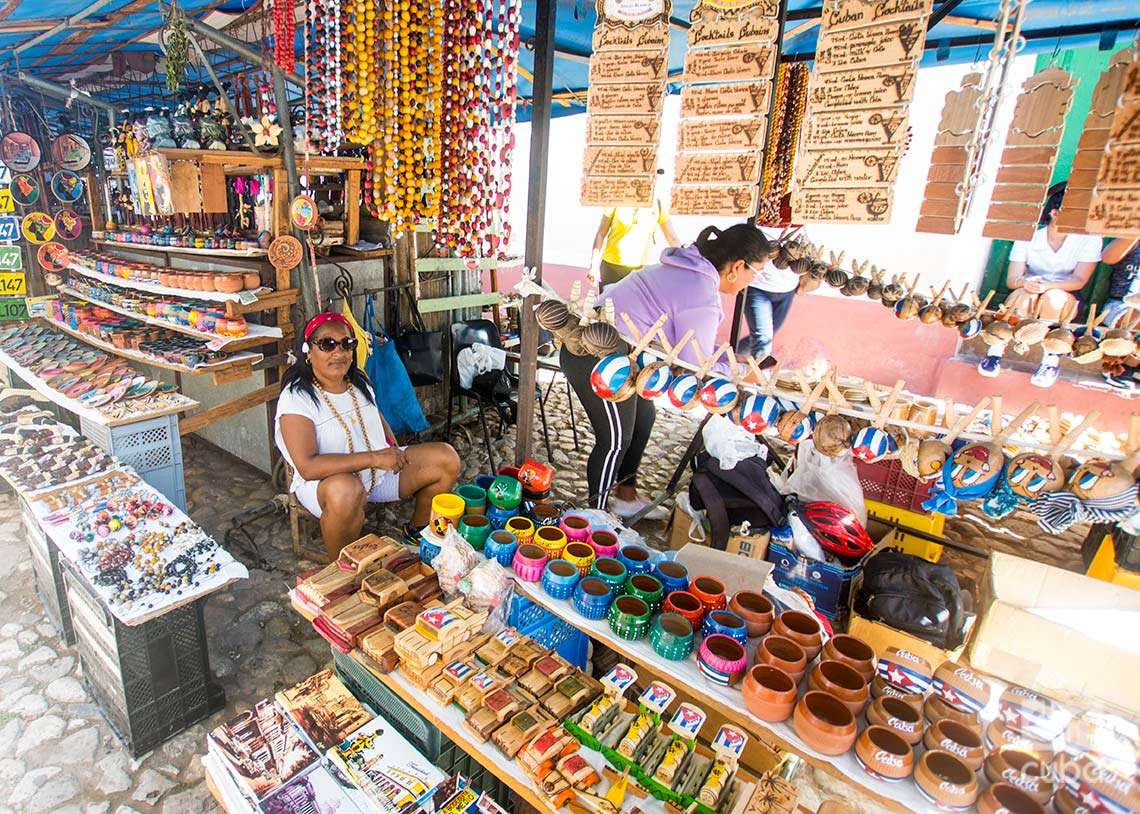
(866, 87)
(839, 15)
(1120, 167)
(1114, 203)
(717, 22)
(848, 168)
(632, 25)
(186, 187)
(601, 130)
(870, 205)
(618, 191)
(625, 98)
(885, 127)
(718, 168)
(737, 99)
(1115, 212)
(735, 63)
(621, 67)
(711, 201)
(620, 161)
(615, 38)
(870, 47)
(720, 134)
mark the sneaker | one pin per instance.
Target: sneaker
(628, 508)
(1125, 383)
(1047, 373)
(990, 367)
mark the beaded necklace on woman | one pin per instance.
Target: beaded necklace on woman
(347, 430)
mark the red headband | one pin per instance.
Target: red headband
(324, 318)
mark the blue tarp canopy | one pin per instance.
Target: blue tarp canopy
(961, 34)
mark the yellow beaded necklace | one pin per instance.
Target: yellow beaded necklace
(347, 431)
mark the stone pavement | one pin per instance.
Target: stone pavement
(58, 755)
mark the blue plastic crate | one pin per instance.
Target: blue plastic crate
(525, 613)
(563, 638)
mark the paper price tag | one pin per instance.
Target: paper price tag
(247, 297)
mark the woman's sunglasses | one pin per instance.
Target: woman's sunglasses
(327, 344)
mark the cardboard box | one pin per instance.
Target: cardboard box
(736, 573)
(881, 636)
(754, 546)
(829, 585)
(1063, 634)
(681, 532)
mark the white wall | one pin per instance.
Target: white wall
(961, 258)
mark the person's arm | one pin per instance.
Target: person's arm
(1015, 276)
(300, 437)
(670, 233)
(599, 241)
(1075, 281)
(1118, 249)
(1018, 274)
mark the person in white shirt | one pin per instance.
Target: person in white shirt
(768, 300)
(341, 450)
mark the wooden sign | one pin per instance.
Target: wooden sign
(856, 128)
(1115, 212)
(620, 67)
(713, 22)
(730, 64)
(620, 161)
(623, 129)
(738, 99)
(842, 205)
(1114, 204)
(866, 87)
(737, 200)
(1120, 167)
(1126, 123)
(636, 192)
(839, 15)
(721, 134)
(640, 38)
(632, 13)
(718, 168)
(848, 168)
(870, 47)
(646, 97)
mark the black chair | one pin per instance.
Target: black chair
(463, 335)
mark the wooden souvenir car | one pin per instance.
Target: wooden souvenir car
(361, 553)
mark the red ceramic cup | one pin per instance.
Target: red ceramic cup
(687, 605)
(710, 591)
(784, 654)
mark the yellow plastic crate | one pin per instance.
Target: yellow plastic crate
(911, 544)
(1104, 567)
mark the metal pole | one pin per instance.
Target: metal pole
(289, 159)
(241, 49)
(63, 93)
(61, 26)
(546, 13)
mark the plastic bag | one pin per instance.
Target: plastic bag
(488, 587)
(454, 561)
(729, 443)
(601, 519)
(818, 477)
(803, 540)
(478, 358)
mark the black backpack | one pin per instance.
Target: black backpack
(912, 595)
(731, 496)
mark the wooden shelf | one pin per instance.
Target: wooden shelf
(152, 288)
(319, 164)
(186, 250)
(258, 334)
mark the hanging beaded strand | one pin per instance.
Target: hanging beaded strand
(283, 34)
(324, 75)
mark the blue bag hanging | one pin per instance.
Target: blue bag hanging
(395, 395)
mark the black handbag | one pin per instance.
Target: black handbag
(419, 349)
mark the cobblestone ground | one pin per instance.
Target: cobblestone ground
(58, 755)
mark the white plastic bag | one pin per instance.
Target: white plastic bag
(818, 477)
(476, 359)
(488, 587)
(730, 444)
(455, 559)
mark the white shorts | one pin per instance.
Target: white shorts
(387, 490)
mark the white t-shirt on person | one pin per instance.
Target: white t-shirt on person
(1055, 266)
(770, 278)
(331, 438)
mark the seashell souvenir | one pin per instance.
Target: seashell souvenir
(875, 287)
(600, 339)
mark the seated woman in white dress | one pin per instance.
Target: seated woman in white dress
(340, 448)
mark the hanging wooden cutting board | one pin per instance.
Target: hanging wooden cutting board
(949, 161)
(623, 130)
(864, 87)
(1114, 203)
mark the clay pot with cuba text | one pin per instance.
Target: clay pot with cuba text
(898, 715)
(1004, 798)
(1021, 769)
(935, 708)
(883, 754)
(957, 739)
(843, 682)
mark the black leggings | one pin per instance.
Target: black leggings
(621, 430)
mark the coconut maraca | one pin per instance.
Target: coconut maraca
(875, 287)
(600, 339)
(552, 315)
(684, 390)
(1102, 479)
(857, 285)
(892, 292)
(798, 425)
(614, 377)
(1086, 347)
(908, 306)
(978, 465)
(655, 377)
(835, 276)
(786, 250)
(832, 436)
(873, 443)
(718, 394)
(931, 313)
(932, 453)
(1032, 474)
(759, 412)
(954, 314)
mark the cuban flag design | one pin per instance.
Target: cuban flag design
(1095, 800)
(683, 390)
(804, 429)
(902, 677)
(718, 394)
(759, 413)
(655, 382)
(646, 358)
(970, 328)
(873, 444)
(610, 375)
(956, 698)
(713, 675)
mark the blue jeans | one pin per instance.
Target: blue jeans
(765, 312)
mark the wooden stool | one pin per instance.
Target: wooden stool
(305, 531)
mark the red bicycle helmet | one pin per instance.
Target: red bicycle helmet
(836, 528)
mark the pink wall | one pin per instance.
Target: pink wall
(864, 339)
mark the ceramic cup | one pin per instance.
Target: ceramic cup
(543, 514)
(551, 539)
(1005, 798)
(475, 529)
(580, 555)
(710, 591)
(883, 754)
(961, 741)
(945, 780)
(575, 527)
(605, 543)
(755, 609)
(611, 571)
(853, 652)
(803, 629)
(842, 681)
(824, 723)
(474, 497)
(896, 714)
(636, 559)
(769, 693)
(500, 546)
(673, 575)
(449, 506)
(687, 605)
(522, 528)
(783, 653)
(727, 623)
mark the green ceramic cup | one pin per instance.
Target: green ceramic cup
(475, 529)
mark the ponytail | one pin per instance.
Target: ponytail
(741, 241)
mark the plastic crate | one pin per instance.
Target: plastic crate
(547, 629)
(885, 482)
(1126, 549)
(153, 448)
(1105, 562)
(49, 578)
(526, 614)
(912, 544)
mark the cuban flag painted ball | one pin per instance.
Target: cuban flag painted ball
(804, 429)
(683, 390)
(759, 413)
(872, 444)
(970, 328)
(718, 394)
(654, 380)
(610, 375)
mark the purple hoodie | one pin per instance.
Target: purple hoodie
(686, 287)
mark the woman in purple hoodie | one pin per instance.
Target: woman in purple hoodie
(686, 286)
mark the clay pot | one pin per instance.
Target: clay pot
(1032, 714)
(250, 280)
(945, 781)
(755, 609)
(881, 689)
(228, 283)
(906, 671)
(998, 736)
(1065, 802)
(960, 741)
(832, 435)
(803, 629)
(853, 652)
(769, 693)
(843, 682)
(710, 591)
(1023, 770)
(898, 715)
(1113, 790)
(1003, 798)
(936, 709)
(783, 653)
(600, 339)
(552, 315)
(824, 723)
(883, 754)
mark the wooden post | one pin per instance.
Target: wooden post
(351, 207)
(546, 13)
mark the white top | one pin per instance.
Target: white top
(1055, 266)
(330, 434)
(770, 278)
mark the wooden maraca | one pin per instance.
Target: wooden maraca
(614, 377)
(684, 390)
(1102, 479)
(1120, 342)
(759, 412)
(874, 443)
(931, 313)
(1029, 332)
(908, 307)
(835, 276)
(893, 291)
(875, 287)
(581, 303)
(819, 268)
(719, 394)
(655, 377)
(1059, 339)
(955, 314)
(972, 325)
(978, 464)
(798, 425)
(787, 249)
(601, 338)
(1086, 347)
(832, 436)
(932, 453)
(1032, 474)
